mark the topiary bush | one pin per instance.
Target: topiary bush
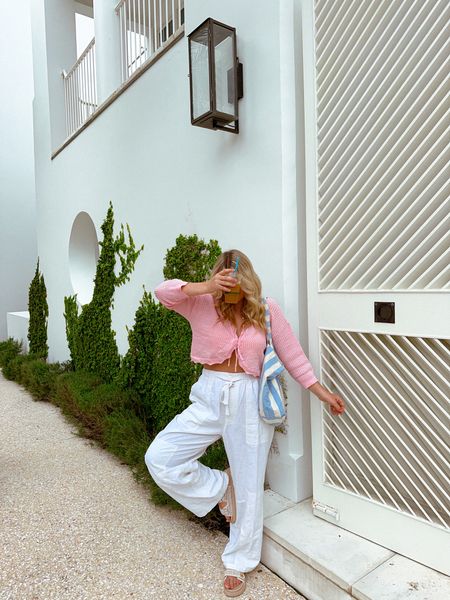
(90, 400)
(39, 377)
(158, 363)
(35, 374)
(14, 368)
(174, 374)
(90, 336)
(137, 365)
(191, 259)
(38, 310)
(125, 436)
(9, 349)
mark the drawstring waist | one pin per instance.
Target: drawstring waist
(225, 396)
(229, 379)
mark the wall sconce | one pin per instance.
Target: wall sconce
(215, 76)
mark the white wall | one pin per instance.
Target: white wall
(18, 251)
(166, 177)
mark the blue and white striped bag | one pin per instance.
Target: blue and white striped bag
(271, 397)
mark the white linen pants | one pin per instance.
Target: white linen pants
(222, 405)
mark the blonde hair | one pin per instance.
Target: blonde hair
(252, 308)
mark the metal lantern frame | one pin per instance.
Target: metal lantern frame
(213, 118)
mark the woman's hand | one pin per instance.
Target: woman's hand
(222, 281)
(337, 404)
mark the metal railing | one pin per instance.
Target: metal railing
(80, 89)
(146, 27)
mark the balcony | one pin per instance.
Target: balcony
(145, 30)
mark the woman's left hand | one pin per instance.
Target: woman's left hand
(337, 404)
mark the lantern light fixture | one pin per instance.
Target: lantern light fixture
(215, 76)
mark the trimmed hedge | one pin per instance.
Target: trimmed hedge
(90, 337)
(137, 365)
(158, 365)
(9, 349)
(38, 310)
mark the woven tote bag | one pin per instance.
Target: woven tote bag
(270, 395)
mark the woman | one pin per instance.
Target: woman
(229, 341)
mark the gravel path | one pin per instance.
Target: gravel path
(74, 524)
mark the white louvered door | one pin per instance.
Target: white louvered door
(377, 151)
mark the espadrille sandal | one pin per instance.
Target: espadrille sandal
(229, 509)
(239, 589)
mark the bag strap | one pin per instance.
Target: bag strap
(268, 326)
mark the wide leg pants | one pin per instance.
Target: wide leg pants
(222, 405)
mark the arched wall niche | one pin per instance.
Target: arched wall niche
(83, 257)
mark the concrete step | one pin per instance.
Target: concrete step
(325, 562)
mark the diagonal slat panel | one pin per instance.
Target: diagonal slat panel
(383, 130)
(392, 445)
(403, 168)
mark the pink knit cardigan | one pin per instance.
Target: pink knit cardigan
(213, 341)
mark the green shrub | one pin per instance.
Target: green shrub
(191, 259)
(136, 368)
(90, 337)
(14, 368)
(35, 374)
(38, 310)
(39, 378)
(174, 374)
(158, 363)
(89, 399)
(9, 349)
(125, 436)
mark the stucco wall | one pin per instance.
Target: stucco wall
(18, 251)
(165, 177)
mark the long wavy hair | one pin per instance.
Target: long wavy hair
(252, 308)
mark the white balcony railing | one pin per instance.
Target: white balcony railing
(80, 89)
(146, 27)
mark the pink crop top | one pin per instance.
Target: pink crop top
(213, 341)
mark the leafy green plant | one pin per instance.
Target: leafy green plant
(14, 368)
(125, 436)
(191, 259)
(158, 361)
(9, 349)
(90, 336)
(38, 310)
(35, 374)
(137, 365)
(39, 377)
